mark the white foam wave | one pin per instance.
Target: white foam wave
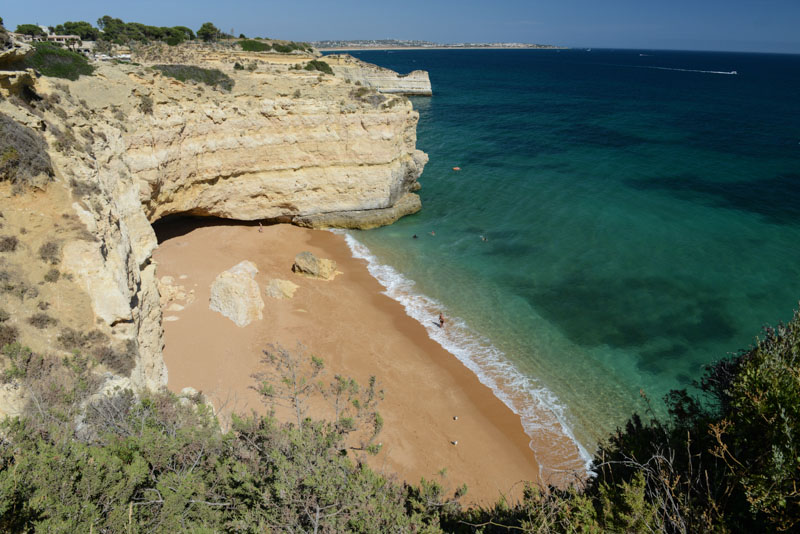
(540, 411)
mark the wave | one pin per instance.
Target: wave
(543, 416)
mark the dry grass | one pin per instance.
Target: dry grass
(42, 321)
(23, 154)
(8, 243)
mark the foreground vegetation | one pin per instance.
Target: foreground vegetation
(726, 460)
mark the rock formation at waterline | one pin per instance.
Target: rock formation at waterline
(383, 80)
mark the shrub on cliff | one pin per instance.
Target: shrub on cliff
(291, 46)
(56, 62)
(249, 45)
(321, 66)
(211, 77)
(23, 154)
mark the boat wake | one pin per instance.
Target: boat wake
(732, 72)
(543, 416)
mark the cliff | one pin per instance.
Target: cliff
(130, 145)
(384, 80)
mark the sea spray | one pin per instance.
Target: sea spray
(543, 417)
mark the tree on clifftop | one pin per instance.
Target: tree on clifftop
(30, 29)
(208, 32)
(84, 29)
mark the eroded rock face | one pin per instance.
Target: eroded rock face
(307, 264)
(12, 51)
(235, 294)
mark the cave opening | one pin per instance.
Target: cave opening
(180, 224)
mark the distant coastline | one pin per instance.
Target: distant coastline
(390, 44)
(442, 47)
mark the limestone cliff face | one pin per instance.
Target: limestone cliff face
(130, 146)
(384, 80)
(310, 150)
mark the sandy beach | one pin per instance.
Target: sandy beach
(431, 399)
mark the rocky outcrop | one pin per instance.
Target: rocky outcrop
(13, 77)
(384, 80)
(307, 264)
(12, 51)
(235, 294)
(362, 219)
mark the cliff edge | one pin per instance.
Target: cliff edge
(268, 140)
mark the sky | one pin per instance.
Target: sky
(733, 25)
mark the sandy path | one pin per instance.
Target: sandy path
(358, 332)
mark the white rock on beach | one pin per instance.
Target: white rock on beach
(235, 294)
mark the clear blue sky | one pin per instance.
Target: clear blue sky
(749, 25)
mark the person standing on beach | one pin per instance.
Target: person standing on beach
(441, 321)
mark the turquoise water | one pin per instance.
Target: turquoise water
(642, 216)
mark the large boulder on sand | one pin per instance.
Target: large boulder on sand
(235, 294)
(308, 264)
(280, 289)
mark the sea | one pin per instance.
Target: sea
(620, 220)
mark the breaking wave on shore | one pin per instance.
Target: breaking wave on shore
(559, 454)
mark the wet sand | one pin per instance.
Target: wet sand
(358, 332)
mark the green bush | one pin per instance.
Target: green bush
(211, 77)
(291, 46)
(238, 66)
(321, 66)
(57, 62)
(249, 45)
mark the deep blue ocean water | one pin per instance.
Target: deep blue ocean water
(641, 211)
